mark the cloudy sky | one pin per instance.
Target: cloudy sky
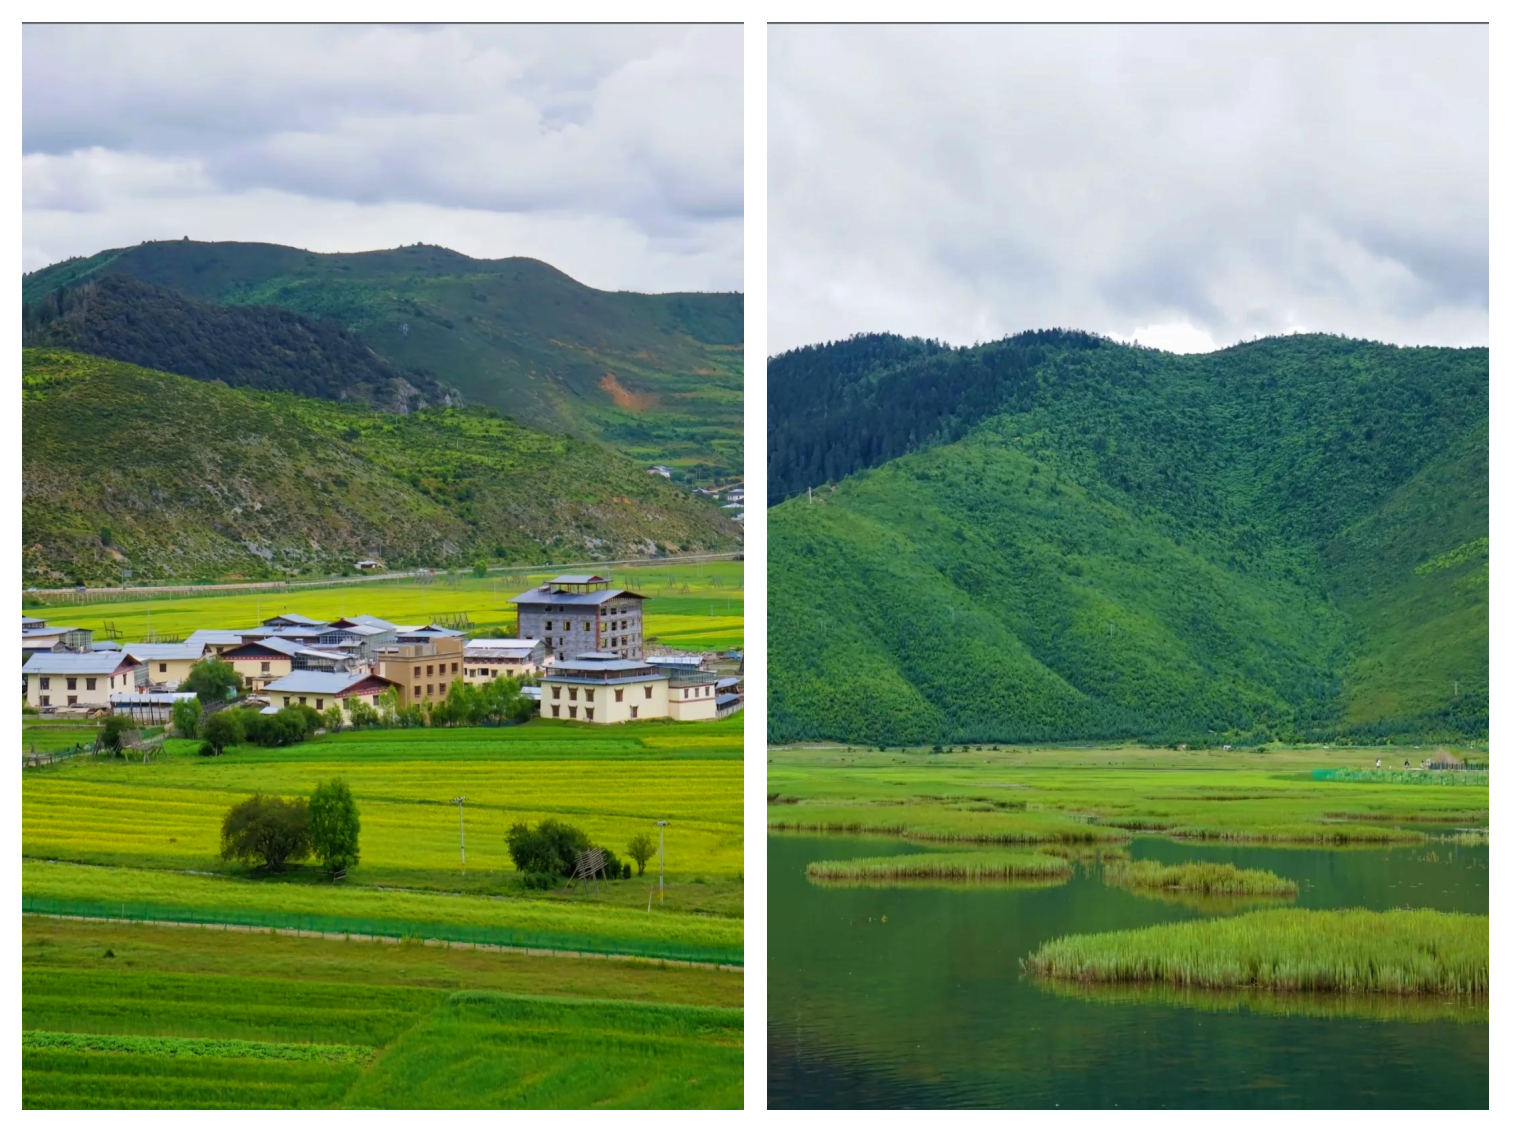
(614, 153)
(1188, 187)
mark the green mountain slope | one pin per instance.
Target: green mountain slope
(658, 377)
(180, 478)
(267, 348)
(1084, 540)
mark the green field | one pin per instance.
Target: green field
(116, 1013)
(1087, 794)
(698, 606)
(140, 1016)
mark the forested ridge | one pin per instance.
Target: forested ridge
(267, 348)
(1062, 537)
(180, 479)
(658, 377)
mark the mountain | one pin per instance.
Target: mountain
(658, 377)
(182, 479)
(268, 348)
(1059, 537)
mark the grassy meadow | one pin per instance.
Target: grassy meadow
(695, 606)
(128, 1014)
(142, 1016)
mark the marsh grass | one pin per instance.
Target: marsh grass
(990, 867)
(1381, 1008)
(1299, 834)
(1205, 878)
(935, 822)
(1401, 952)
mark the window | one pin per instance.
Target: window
(572, 711)
(89, 683)
(619, 694)
(320, 702)
(417, 691)
(454, 667)
(73, 682)
(416, 674)
(557, 692)
(685, 694)
(375, 698)
(430, 689)
(45, 701)
(588, 694)
(162, 667)
(648, 692)
(587, 625)
(301, 700)
(286, 701)
(548, 623)
(572, 692)
(589, 713)
(267, 667)
(73, 700)
(635, 711)
(556, 710)
(430, 670)
(47, 683)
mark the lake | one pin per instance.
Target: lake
(894, 998)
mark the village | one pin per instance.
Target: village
(579, 655)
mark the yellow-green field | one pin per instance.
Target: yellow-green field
(690, 606)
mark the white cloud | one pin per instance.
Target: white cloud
(525, 140)
(967, 183)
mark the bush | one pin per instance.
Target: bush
(186, 718)
(112, 733)
(223, 729)
(334, 825)
(266, 830)
(206, 748)
(611, 864)
(625, 870)
(641, 848)
(552, 847)
(538, 880)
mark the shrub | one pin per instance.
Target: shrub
(223, 729)
(538, 880)
(112, 733)
(334, 825)
(211, 679)
(267, 830)
(641, 848)
(552, 847)
(625, 870)
(186, 718)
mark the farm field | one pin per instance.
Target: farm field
(698, 606)
(143, 1016)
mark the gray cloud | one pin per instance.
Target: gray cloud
(1189, 185)
(618, 150)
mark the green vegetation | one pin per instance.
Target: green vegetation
(951, 867)
(302, 485)
(266, 830)
(1057, 537)
(142, 1016)
(1408, 952)
(658, 377)
(266, 348)
(1073, 795)
(1209, 878)
(335, 825)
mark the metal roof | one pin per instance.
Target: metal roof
(577, 580)
(725, 699)
(297, 619)
(504, 643)
(314, 681)
(568, 598)
(216, 637)
(275, 643)
(165, 651)
(46, 631)
(369, 620)
(104, 661)
(124, 698)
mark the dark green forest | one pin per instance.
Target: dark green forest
(267, 348)
(1058, 537)
(181, 479)
(657, 377)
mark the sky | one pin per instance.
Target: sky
(1185, 187)
(612, 153)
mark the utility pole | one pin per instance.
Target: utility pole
(462, 843)
(661, 861)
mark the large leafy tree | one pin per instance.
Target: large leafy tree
(186, 718)
(334, 825)
(223, 729)
(211, 679)
(266, 830)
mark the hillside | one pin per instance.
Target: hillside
(1060, 537)
(658, 377)
(267, 348)
(182, 479)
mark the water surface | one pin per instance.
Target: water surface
(909, 997)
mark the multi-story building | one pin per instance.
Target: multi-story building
(487, 658)
(423, 671)
(603, 688)
(573, 615)
(77, 680)
(165, 663)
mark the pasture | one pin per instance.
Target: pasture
(696, 606)
(140, 1016)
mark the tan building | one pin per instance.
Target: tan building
(423, 671)
(320, 691)
(603, 688)
(693, 696)
(262, 661)
(487, 658)
(167, 663)
(84, 681)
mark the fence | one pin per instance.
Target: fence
(1456, 778)
(386, 927)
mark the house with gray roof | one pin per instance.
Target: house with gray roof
(574, 615)
(67, 680)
